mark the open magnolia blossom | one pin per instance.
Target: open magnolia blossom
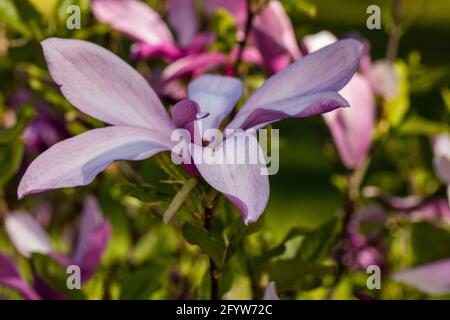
(272, 41)
(432, 278)
(101, 85)
(29, 237)
(352, 128)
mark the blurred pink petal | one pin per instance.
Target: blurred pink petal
(193, 64)
(76, 161)
(216, 95)
(27, 234)
(10, 277)
(103, 86)
(134, 18)
(441, 161)
(307, 87)
(244, 183)
(184, 20)
(352, 128)
(384, 78)
(433, 278)
(271, 292)
(274, 36)
(93, 238)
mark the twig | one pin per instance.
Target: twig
(243, 42)
(394, 31)
(179, 199)
(212, 265)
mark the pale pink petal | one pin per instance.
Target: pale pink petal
(76, 161)
(216, 95)
(134, 18)
(193, 64)
(184, 20)
(238, 170)
(26, 234)
(441, 149)
(352, 128)
(433, 278)
(318, 40)
(103, 86)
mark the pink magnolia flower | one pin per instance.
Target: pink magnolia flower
(29, 237)
(101, 85)
(441, 161)
(271, 33)
(188, 54)
(352, 128)
(432, 278)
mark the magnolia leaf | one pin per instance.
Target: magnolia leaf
(10, 159)
(144, 281)
(213, 247)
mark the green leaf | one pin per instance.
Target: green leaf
(10, 16)
(298, 275)
(224, 26)
(416, 125)
(429, 243)
(445, 92)
(10, 159)
(213, 247)
(144, 281)
(317, 245)
(54, 275)
(143, 192)
(396, 109)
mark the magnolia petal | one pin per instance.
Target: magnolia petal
(271, 292)
(326, 70)
(298, 107)
(26, 234)
(433, 278)
(76, 161)
(274, 36)
(192, 64)
(103, 86)
(185, 112)
(183, 19)
(352, 128)
(10, 277)
(93, 238)
(237, 169)
(441, 161)
(133, 18)
(216, 95)
(314, 42)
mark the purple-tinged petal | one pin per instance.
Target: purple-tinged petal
(433, 278)
(323, 72)
(193, 64)
(142, 51)
(352, 128)
(183, 18)
(271, 292)
(103, 86)
(274, 36)
(76, 161)
(10, 277)
(237, 169)
(185, 112)
(298, 107)
(134, 18)
(441, 161)
(216, 95)
(27, 234)
(93, 238)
